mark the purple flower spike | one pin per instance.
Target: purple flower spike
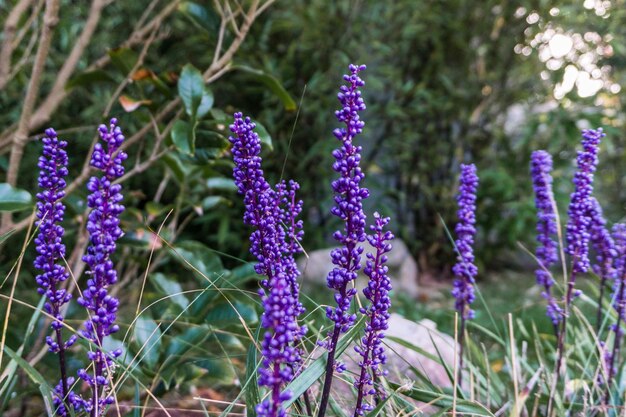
(547, 255)
(377, 292)
(348, 207)
(579, 223)
(465, 270)
(104, 230)
(604, 248)
(601, 242)
(274, 242)
(619, 297)
(51, 253)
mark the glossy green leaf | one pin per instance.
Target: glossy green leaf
(181, 344)
(271, 83)
(265, 137)
(183, 137)
(89, 78)
(202, 17)
(14, 199)
(221, 184)
(192, 254)
(148, 336)
(197, 98)
(124, 59)
(227, 314)
(169, 287)
(208, 203)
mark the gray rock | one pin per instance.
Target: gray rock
(402, 267)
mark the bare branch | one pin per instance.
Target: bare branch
(57, 94)
(10, 26)
(20, 137)
(45, 111)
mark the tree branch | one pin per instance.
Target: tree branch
(10, 27)
(20, 137)
(45, 111)
(57, 94)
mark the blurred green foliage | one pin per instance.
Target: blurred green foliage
(442, 82)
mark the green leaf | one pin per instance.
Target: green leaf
(169, 287)
(4, 236)
(265, 137)
(180, 170)
(14, 199)
(183, 137)
(200, 257)
(226, 314)
(317, 368)
(221, 184)
(207, 203)
(442, 400)
(148, 337)
(182, 343)
(206, 103)
(197, 98)
(202, 17)
(253, 396)
(270, 82)
(36, 377)
(89, 78)
(124, 59)
(220, 370)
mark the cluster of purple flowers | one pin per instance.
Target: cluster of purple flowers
(348, 206)
(273, 212)
(104, 230)
(51, 253)
(274, 242)
(579, 222)
(547, 255)
(377, 292)
(465, 270)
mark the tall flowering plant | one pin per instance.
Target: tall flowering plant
(274, 246)
(546, 253)
(104, 230)
(348, 207)
(51, 254)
